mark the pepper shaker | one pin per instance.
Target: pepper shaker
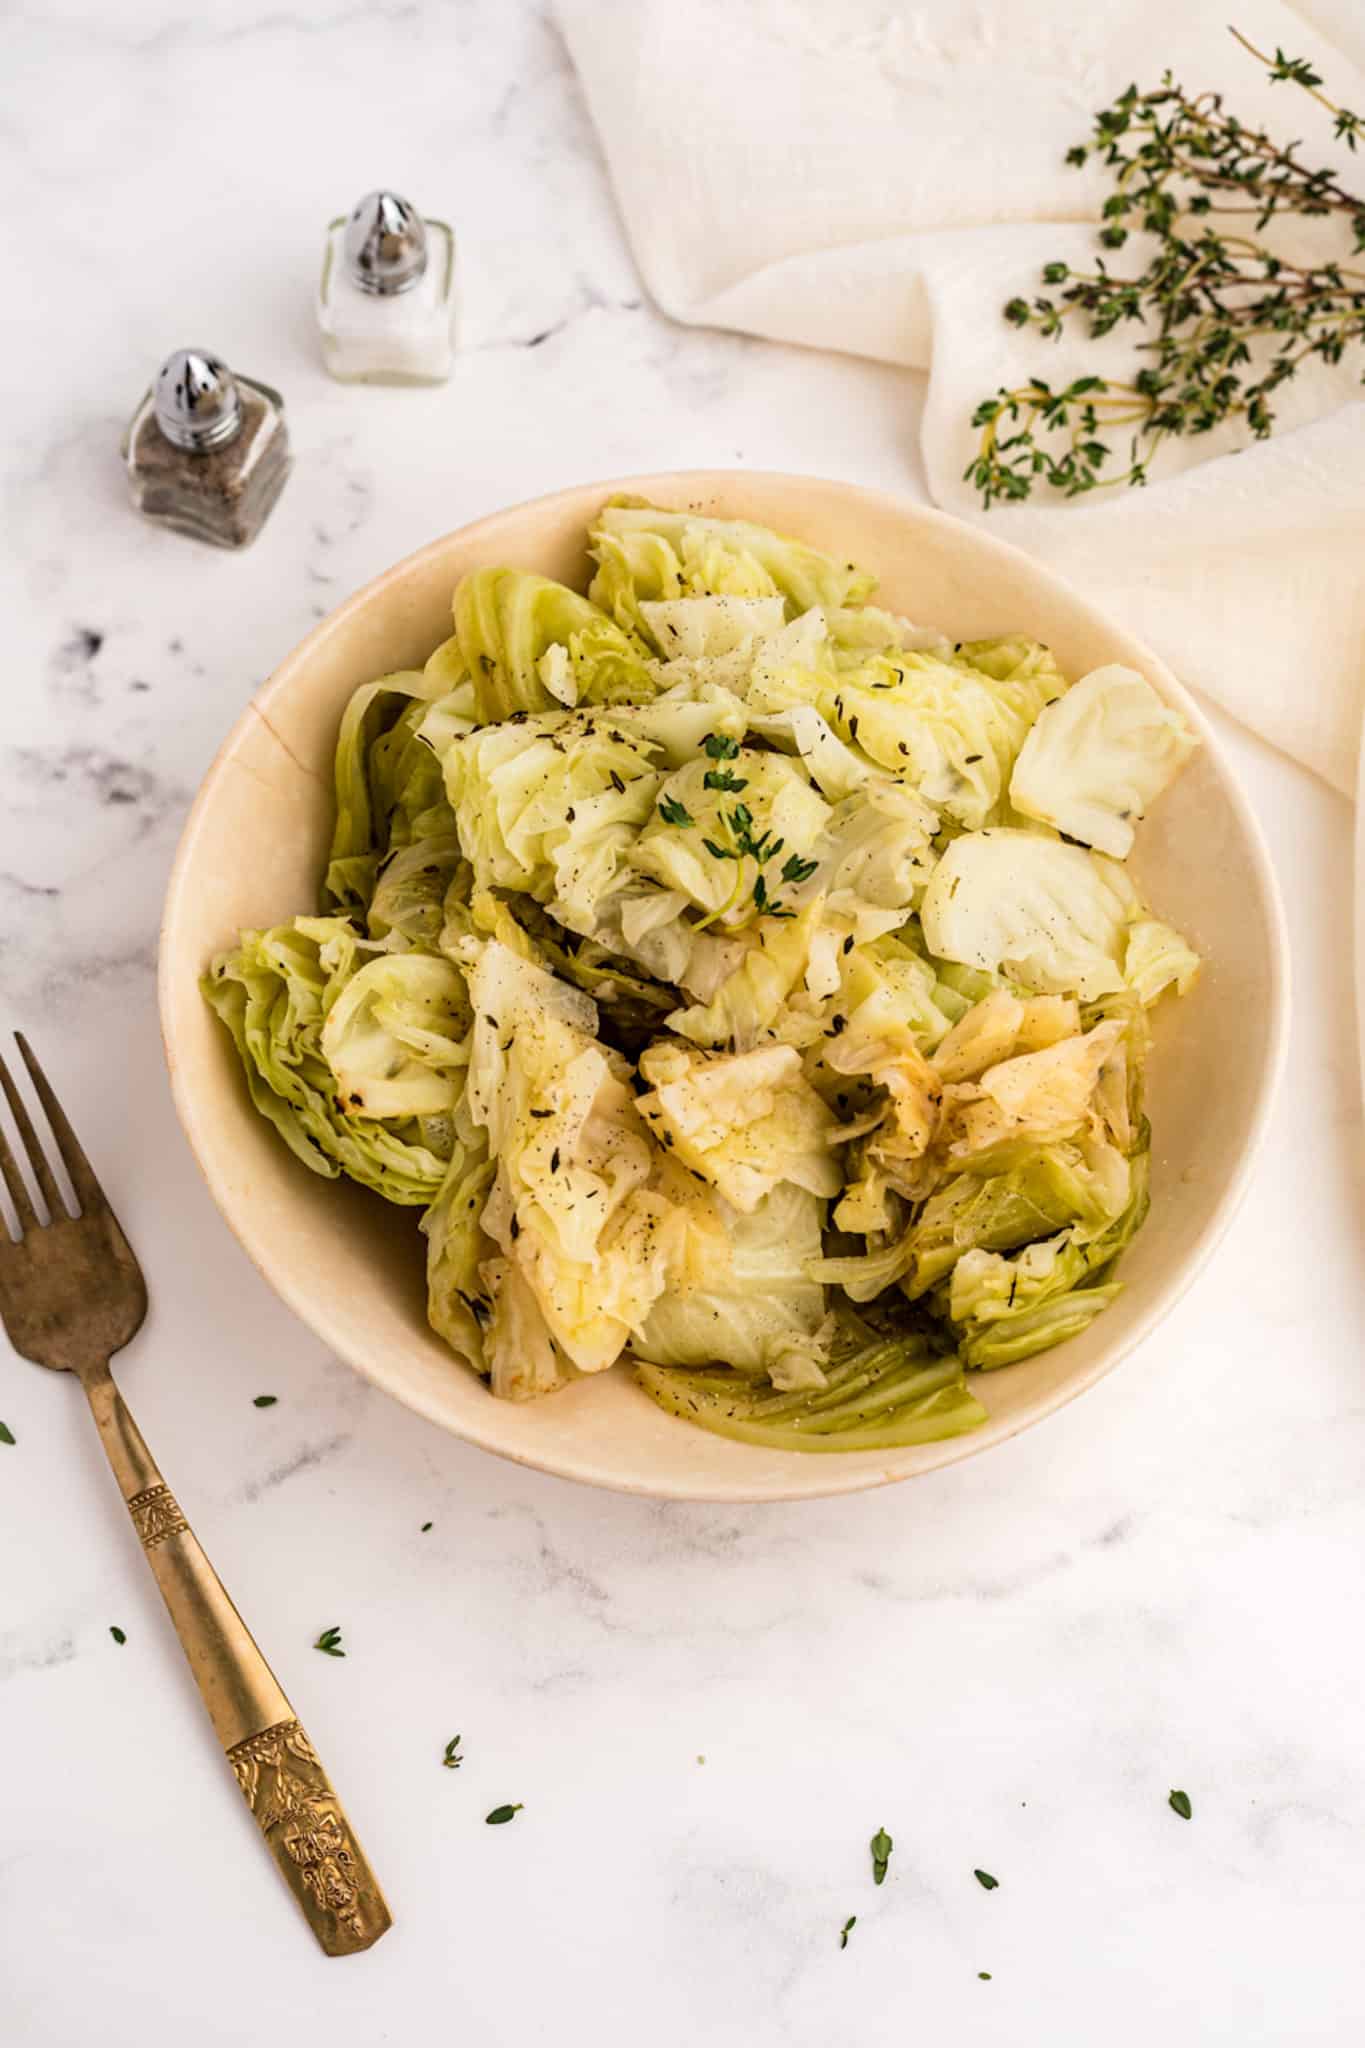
(207, 452)
(386, 302)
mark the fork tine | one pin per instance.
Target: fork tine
(18, 1191)
(28, 1138)
(89, 1193)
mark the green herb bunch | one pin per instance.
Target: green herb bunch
(1229, 320)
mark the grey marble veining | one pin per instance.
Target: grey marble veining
(1008, 1665)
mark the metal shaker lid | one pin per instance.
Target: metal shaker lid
(196, 400)
(385, 243)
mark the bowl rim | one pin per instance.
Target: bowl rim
(831, 1476)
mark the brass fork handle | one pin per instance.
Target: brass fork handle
(282, 1781)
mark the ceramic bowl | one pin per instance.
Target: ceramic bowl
(351, 1267)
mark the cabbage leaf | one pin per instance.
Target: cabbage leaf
(754, 1308)
(1096, 759)
(274, 992)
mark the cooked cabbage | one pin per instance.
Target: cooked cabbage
(1051, 916)
(1096, 759)
(275, 991)
(754, 1308)
(407, 906)
(949, 728)
(506, 622)
(644, 553)
(744, 1121)
(1156, 958)
(882, 1395)
(387, 780)
(742, 980)
(393, 1036)
(1007, 1308)
(734, 835)
(584, 1206)
(551, 805)
(459, 1303)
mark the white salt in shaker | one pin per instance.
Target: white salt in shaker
(386, 303)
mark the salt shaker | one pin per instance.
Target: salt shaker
(207, 452)
(386, 303)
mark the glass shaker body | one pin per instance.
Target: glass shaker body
(384, 337)
(219, 494)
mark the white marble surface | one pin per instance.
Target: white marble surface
(1007, 1664)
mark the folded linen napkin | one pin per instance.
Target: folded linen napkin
(879, 177)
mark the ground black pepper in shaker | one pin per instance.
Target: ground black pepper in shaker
(207, 452)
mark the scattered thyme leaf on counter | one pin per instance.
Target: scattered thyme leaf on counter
(117, 1633)
(1180, 1803)
(425, 1527)
(501, 1814)
(985, 1880)
(881, 1846)
(847, 1929)
(6, 1434)
(984, 1975)
(329, 1642)
(452, 1758)
(265, 1400)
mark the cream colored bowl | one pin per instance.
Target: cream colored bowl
(351, 1266)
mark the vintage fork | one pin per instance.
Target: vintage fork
(71, 1294)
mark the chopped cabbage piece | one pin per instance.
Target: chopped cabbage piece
(754, 1308)
(581, 1207)
(408, 904)
(274, 991)
(385, 778)
(751, 998)
(1097, 758)
(1047, 1188)
(551, 805)
(506, 620)
(949, 729)
(1043, 1095)
(744, 1121)
(1051, 916)
(1007, 1308)
(1156, 958)
(645, 553)
(883, 1395)
(999, 1026)
(458, 1300)
(394, 1036)
(696, 627)
(733, 834)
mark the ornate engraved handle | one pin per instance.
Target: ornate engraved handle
(284, 1784)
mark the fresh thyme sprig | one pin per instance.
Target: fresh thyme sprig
(1230, 320)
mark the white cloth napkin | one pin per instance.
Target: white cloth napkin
(879, 177)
